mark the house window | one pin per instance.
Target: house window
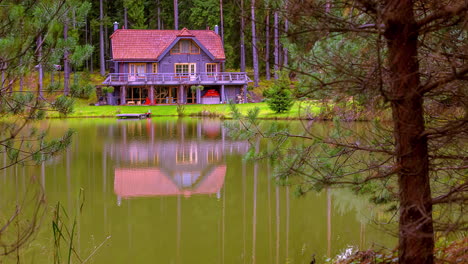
(211, 68)
(154, 68)
(165, 95)
(136, 95)
(137, 68)
(185, 46)
(185, 68)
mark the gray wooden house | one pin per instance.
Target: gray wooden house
(165, 66)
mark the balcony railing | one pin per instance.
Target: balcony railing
(177, 78)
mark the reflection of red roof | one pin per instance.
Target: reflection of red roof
(153, 182)
(144, 44)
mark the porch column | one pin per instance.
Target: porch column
(198, 95)
(123, 94)
(223, 97)
(151, 94)
(181, 94)
(245, 93)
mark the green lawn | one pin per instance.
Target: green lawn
(221, 110)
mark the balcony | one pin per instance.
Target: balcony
(218, 78)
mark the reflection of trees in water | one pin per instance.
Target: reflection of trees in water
(346, 201)
(366, 213)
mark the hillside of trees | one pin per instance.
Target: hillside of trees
(233, 16)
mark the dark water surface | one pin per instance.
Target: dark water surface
(179, 191)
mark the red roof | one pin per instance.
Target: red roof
(144, 44)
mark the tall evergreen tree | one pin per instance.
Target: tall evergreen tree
(66, 57)
(136, 13)
(221, 19)
(389, 54)
(102, 61)
(29, 35)
(276, 43)
(267, 44)
(242, 38)
(158, 13)
(176, 14)
(40, 65)
(254, 44)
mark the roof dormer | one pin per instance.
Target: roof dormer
(185, 33)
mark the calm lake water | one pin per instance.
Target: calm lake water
(179, 191)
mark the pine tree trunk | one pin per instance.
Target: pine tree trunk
(222, 27)
(21, 83)
(176, 15)
(21, 80)
(3, 80)
(40, 84)
(221, 19)
(101, 39)
(125, 18)
(86, 41)
(2, 68)
(267, 45)
(242, 39)
(107, 50)
(254, 44)
(285, 49)
(91, 61)
(416, 238)
(328, 6)
(66, 61)
(276, 40)
(159, 14)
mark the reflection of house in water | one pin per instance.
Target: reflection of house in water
(175, 158)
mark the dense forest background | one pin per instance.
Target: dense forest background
(192, 14)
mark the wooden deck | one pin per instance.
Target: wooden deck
(140, 116)
(219, 78)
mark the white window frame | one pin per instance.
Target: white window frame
(212, 72)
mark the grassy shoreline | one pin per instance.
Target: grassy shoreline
(300, 111)
(221, 111)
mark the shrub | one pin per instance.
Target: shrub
(82, 91)
(279, 97)
(194, 88)
(64, 105)
(180, 109)
(107, 89)
(53, 87)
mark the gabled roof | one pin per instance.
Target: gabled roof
(144, 44)
(185, 33)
